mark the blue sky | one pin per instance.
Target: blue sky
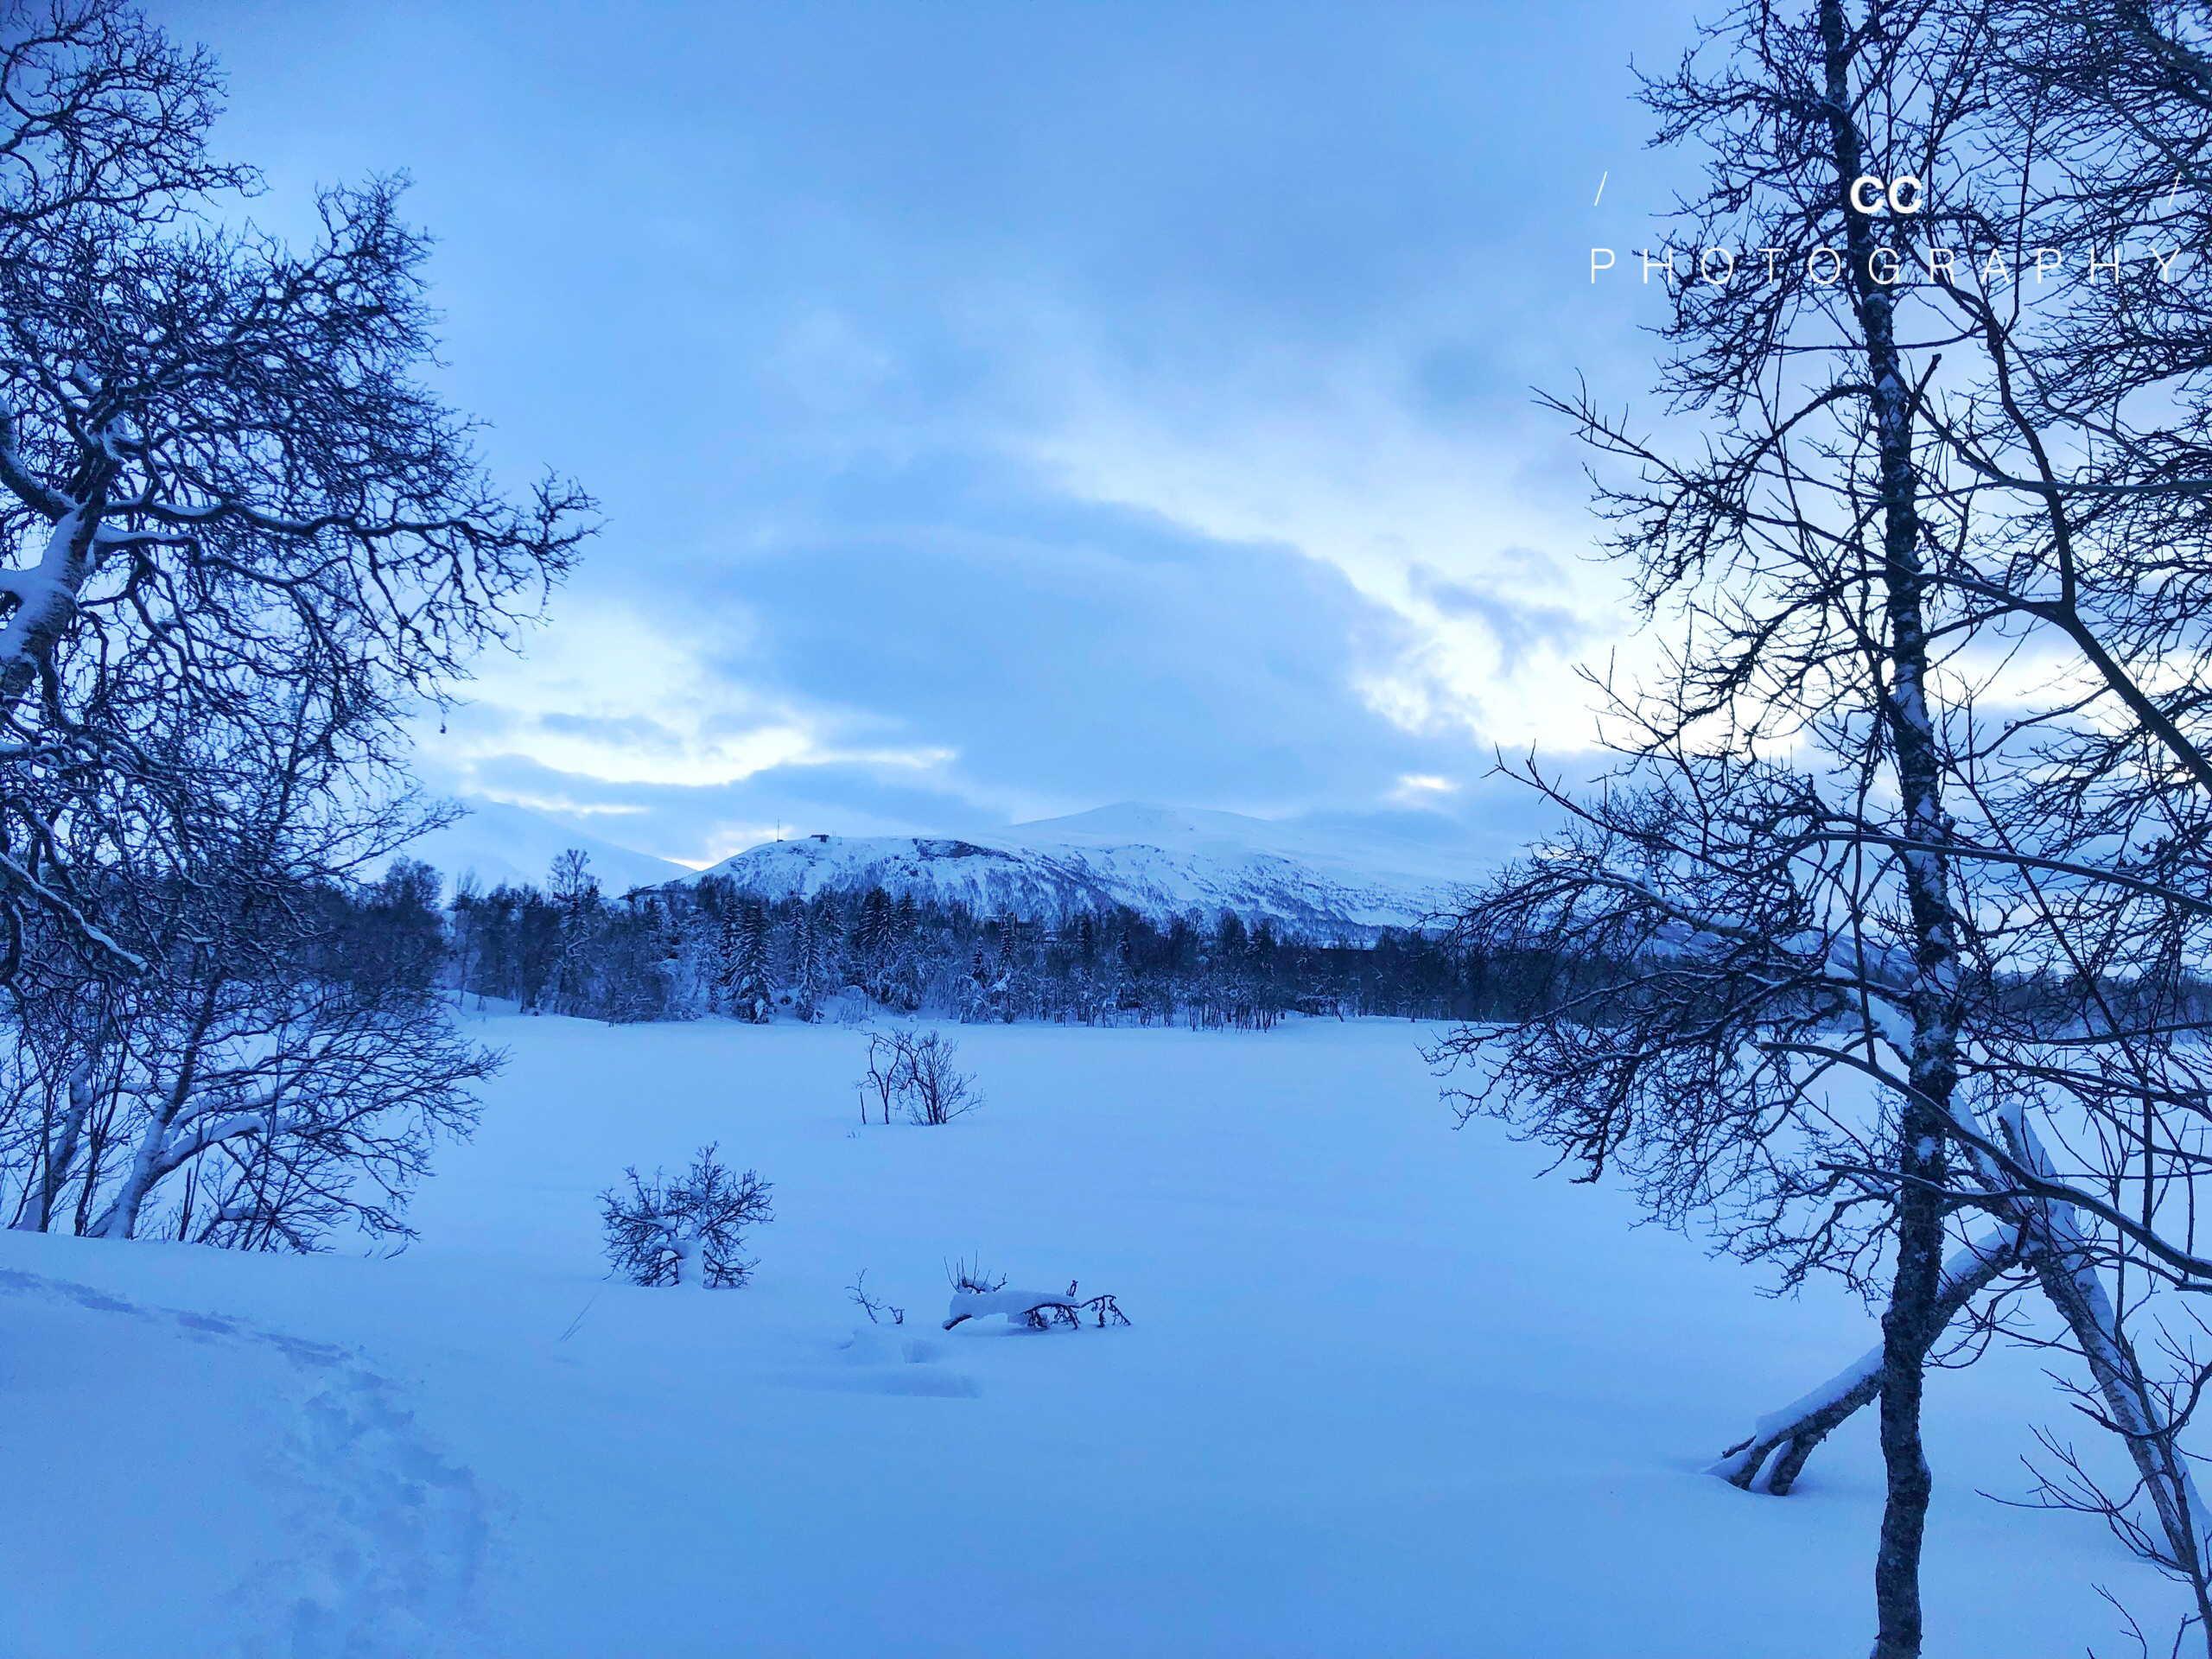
(1002, 410)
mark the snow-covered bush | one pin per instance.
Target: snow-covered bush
(975, 1295)
(687, 1230)
(973, 1279)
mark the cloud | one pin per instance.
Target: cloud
(629, 701)
(949, 644)
(1458, 533)
(1422, 789)
(1000, 414)
(1519, 628)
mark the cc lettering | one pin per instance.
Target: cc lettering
(1868, 195)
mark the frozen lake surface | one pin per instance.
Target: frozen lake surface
(1386, 1393)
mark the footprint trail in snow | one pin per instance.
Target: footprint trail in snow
(387, 1539)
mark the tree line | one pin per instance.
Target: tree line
(709, 947)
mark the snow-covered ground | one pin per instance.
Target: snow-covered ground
(1385, 1395)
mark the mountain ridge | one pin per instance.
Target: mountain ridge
(1163, 862)
(1319, 879)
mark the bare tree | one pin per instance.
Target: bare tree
(1774, 923)
(221, 480)
(2087, 442)
(936, 1091)
(914, 1070)
(884, 1082)
(239, 538)
(1900, 896)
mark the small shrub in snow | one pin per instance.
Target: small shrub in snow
(914, 1071)
(878, 1312)
(973, 1281)
(937, 1092)
(687, 1230)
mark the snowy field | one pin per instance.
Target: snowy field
(1384, 1393)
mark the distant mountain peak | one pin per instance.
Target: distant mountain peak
(1158, 860)
(1324, 880)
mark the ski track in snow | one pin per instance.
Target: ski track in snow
(392, 1538)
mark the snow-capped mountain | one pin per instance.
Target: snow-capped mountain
(1318, 881)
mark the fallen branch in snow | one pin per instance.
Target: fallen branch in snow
(1105, 1308)
(1039, 1310)
(2048, 1239)
(1789, 1436)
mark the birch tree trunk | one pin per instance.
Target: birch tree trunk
(1911, 1325)
(2066, 1268)
(150, 1161)
(59, 1153)
(46, 595)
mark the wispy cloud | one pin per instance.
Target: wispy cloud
(629, 701)
(1437, 524)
